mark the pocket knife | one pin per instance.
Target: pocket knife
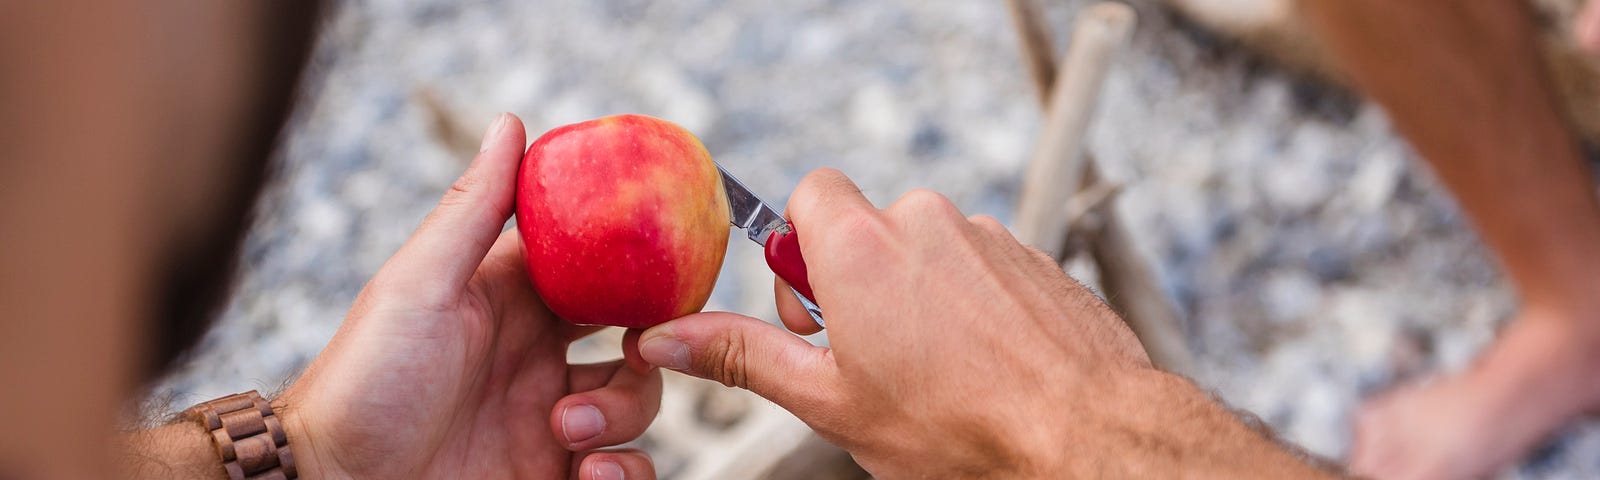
(765, 226)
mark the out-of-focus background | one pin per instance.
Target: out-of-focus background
(1314, 260)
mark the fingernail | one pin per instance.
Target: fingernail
(494, 131)
(581, 422)
(604, 470)
(665, 352)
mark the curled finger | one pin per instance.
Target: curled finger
(612, 405)
(617, 464)
(791, 311)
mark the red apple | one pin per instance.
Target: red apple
(623, 219)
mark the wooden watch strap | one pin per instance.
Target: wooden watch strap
(248, 437)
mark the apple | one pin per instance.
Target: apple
(624, 221)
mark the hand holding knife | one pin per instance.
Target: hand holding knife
(765, 226)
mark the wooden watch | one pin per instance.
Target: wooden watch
(248, 437)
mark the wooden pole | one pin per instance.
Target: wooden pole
(1057, 163)
(1039, 52)
(1132, 288)
(1129, 281)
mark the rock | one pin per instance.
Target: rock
(1374, 182)
(879, 115)
(1290, 295)
(1298, 180)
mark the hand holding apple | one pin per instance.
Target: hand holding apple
(449, 366)
(624, 221)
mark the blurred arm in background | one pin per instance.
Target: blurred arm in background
(957, 352)
(135, 137)
(1463, 82)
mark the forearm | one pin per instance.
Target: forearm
(1163, 426)
(182, 450)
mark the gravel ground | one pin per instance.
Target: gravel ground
(1316, 259)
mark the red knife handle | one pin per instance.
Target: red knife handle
(783, 256)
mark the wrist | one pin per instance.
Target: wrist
(250, 437)
(311, 461)
(178, 450)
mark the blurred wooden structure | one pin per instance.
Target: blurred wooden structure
(1067, 205)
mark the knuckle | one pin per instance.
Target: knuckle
(988, 224)
(461, 190)
(928, 210)
(815, 190)
(924, 200)
(1043, 259)
(860, 230)
(829, 175)
(726, 362)
(389, 291)
(924, 205)
(820, 180)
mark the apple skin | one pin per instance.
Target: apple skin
(624, 221)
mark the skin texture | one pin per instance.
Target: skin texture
(625, 221)
(957, 352)
(1463, 82)
(448, 365)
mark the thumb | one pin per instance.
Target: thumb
(450, 244)
(745, 352)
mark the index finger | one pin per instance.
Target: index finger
(825, 193)
(827, 209)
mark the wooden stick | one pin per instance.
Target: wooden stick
(1127, 278)
(1040, 54)
(1057, 163)
(1131, 285)
(1085, 210)
(449, 126)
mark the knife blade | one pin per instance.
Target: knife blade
(748, 212)
(765, 226)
